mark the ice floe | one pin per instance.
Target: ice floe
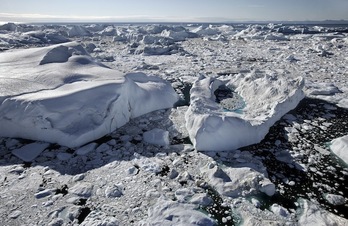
(59, 94)
(258, 101)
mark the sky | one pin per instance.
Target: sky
(171, 11)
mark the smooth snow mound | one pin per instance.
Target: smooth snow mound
(339, 146)
(59, 94)
(267, 98)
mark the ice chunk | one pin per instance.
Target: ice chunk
(78, 31)
(339, 146)
(157, 137)
(267, 98)
(321, 88)
(335, 199)
(178, 35)
(204, 31)
(233, 182)
(267, 187)
(279, 210)
(114, 191)
(30, 151)
(59, 94)
(313, 215)
(167, 212)
(82, 189)
(86, 149)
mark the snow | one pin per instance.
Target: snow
(267, 98)
(69, 99)
(339, 146)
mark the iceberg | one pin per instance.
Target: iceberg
(59, 94)
(259, 100)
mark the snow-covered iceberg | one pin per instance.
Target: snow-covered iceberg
(59, 94)
(255, 102)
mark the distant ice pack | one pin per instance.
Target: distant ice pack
(59, 94)
(249, 105)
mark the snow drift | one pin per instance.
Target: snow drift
(259, 100)
(59, 94)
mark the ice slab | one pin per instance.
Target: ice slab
(267, 97)
(30, 151)
(59, 94)
(339, 146)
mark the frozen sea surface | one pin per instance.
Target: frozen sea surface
(148, 170)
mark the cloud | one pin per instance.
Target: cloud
(76, 18)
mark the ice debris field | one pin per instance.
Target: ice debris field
(168, 124)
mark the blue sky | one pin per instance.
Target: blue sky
(174, 10)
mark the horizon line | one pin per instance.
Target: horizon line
(326, 21)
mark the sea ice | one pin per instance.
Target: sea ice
(167, 212)
(267, 98)
(59, 94)
(339, 146)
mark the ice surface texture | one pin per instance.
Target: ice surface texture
(267, 97)
(59, 94)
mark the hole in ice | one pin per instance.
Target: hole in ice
(218, 211)
(184, 92)
(229, 100)
(164, 171)
(81, 202)
(83, 214)
(62, 190)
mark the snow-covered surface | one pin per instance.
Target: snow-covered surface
(339, 146)
(147, 170)
(312, 215)
(62, 96)
(267, 97)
